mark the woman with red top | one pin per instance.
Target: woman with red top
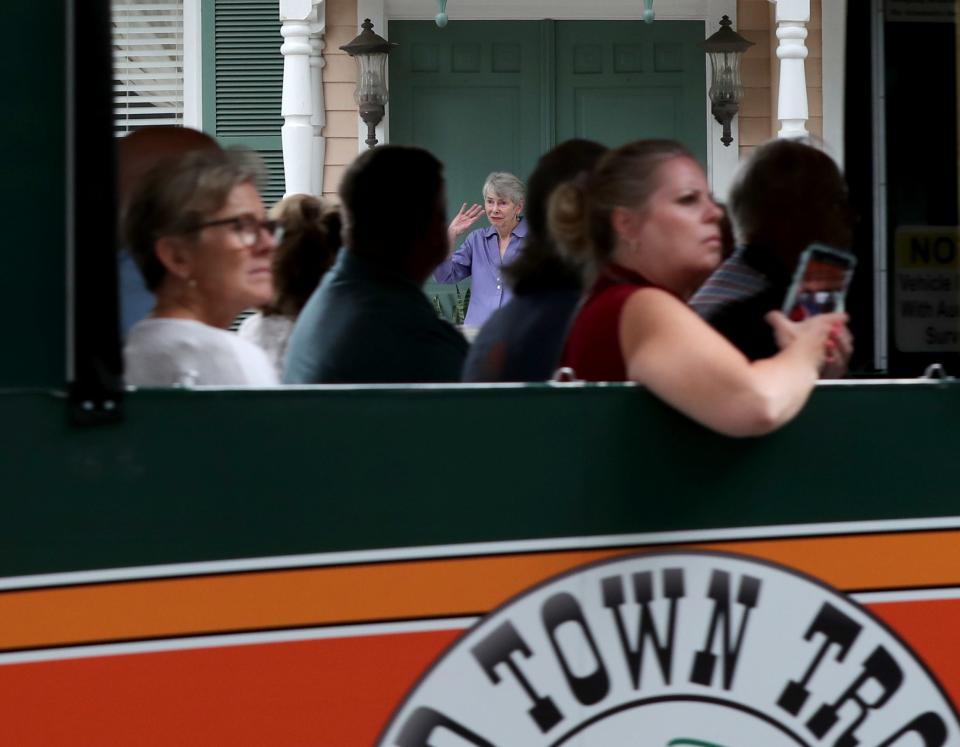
(649, 227)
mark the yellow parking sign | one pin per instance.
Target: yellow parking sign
(927, 289)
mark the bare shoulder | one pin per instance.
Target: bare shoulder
(652, 310)
(657, 326)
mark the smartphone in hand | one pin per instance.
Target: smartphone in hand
(820, 282)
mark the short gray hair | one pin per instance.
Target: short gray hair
(505, 185)
(176, 195)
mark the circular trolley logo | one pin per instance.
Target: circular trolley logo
(677, 650)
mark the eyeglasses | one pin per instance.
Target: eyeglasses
(246, 227)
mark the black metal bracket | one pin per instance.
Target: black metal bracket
(724, 112)
(95, 370)
(372, 114)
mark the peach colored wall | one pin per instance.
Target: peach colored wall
(756, 113)
(758, 116)
(815, 69)
(339, 81)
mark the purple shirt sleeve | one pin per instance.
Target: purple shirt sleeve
(458, 265)
(479, 259)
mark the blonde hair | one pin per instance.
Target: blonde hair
(578, 213)
(311, 239)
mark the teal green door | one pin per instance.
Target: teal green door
(624, 81)
(494, 95)
(471, 94)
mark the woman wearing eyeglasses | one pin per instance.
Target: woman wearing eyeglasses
(307, 249)
(197, 230)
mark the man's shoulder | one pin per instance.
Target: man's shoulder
(735, 282)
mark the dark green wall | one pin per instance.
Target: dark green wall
(33, 195)
(199, 476)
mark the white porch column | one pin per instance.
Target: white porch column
(318, 118)
(296, 106)
(792, 17)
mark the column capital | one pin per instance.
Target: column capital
(792, 11)
(295, 10)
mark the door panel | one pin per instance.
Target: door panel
(471, 94)
(626, 80)
(495, 133)
(654, 110)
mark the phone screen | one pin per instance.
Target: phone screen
(820, 283)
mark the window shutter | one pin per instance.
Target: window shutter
(243, 81)
(148, 63)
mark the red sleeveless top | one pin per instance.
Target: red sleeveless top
(593, 344)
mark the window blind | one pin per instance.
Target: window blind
(148, 63)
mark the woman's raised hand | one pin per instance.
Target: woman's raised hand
(465, 218)
(825, 338)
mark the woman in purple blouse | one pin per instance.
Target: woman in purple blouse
(486, 251)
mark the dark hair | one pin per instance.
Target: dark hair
(311, 238)
(539, 266)
(178, 194)
(143, 149)
(787, 195)
(377, 221)
(579, 211)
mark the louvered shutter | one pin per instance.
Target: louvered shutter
(243, 81)
(148, 63)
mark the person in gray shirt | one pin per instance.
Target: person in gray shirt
(369, 321)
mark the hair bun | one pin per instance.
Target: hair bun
(568, 220)
(310, 209)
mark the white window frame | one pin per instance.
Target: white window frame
(192, 62)
(834, 38)
(192, 65)
(721, 161)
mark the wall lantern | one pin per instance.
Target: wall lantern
(370, 51)
(725, 50)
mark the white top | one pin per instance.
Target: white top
(270, 333)
(170, 352)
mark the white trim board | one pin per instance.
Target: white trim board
(721, 161)
(833, 34)
(579, 543)
(192, 65)
(666, 10)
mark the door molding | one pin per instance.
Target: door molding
(721, 161)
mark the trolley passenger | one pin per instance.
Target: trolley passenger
(198, 231)
(369, 321)
(308, 244)
(647, 221)
(776, 218)
(523, 340)
(137, 154)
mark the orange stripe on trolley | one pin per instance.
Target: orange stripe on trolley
(414, 589)
(332, 693)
